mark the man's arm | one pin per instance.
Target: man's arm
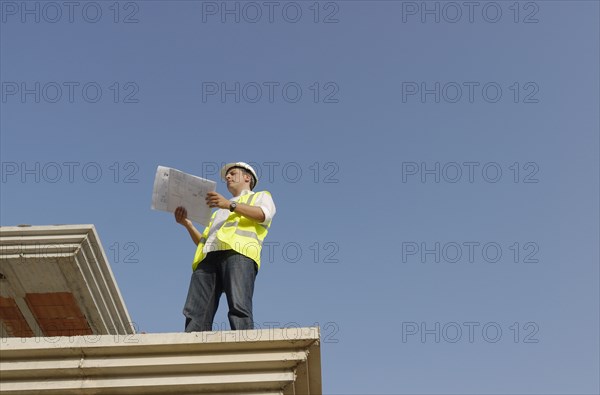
(255, 213)
(181, 218)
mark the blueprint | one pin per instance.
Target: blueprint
(174, 188)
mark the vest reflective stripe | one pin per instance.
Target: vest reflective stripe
(246, 233)
(237, 232)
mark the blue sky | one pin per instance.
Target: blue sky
(435, 167)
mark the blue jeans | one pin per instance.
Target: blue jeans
(221, 271)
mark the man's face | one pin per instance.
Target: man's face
(236, 178)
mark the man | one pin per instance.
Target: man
(228, 251)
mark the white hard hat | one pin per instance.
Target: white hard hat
(243, 165)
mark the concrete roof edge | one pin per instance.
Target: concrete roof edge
(22, 230)
(304, 337)
(101, 283)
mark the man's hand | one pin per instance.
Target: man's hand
(215, 199)
(181, 215)
(181, 218)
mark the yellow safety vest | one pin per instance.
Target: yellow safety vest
(238, 232)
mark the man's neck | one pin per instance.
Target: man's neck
(237, 194)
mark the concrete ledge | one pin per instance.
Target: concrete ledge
(267, 361)
(56, 280)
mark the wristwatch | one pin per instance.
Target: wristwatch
(232, 206)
